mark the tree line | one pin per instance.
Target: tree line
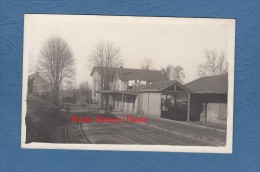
(56, 64)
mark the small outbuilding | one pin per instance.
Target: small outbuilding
(166, 99)
(209, 98)
(203, 99)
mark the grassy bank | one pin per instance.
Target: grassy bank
(42, 118)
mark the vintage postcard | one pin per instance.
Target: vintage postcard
(128, 83)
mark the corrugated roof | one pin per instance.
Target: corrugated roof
(210, 84)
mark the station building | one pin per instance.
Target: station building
(150, 93)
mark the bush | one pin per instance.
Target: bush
(41, 120)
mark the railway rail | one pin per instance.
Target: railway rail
(122, 133)
(69, 125)
(138, 134)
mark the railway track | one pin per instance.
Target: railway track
(137, 139)
(140, 135)
(123, 133)
(104, 129)
(73, 131)
(165, 138)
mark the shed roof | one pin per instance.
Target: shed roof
(210, 84)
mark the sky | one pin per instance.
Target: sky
(176, 41)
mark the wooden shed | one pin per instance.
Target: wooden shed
(166, 99)
(209, 98)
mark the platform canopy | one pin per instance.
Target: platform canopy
(115, 92)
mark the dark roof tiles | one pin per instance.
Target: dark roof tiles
(142, 74)
(109, 72)
(210, 84)
(126, 74)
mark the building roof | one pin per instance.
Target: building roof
(110, 72)
(37, 74)
(210, 84)
(127, 74)
(162, 85)
(137, 88)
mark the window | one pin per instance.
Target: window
(130, 87)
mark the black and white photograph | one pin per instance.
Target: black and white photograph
(128, 83)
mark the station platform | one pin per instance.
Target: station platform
(208, 134)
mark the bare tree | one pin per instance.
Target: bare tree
(105, 56)
(84, 89)
(168, 69)
(215, 64)
(56, 64)
(178, 74)
(68, 84)
(175, 73)
(147, 64)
